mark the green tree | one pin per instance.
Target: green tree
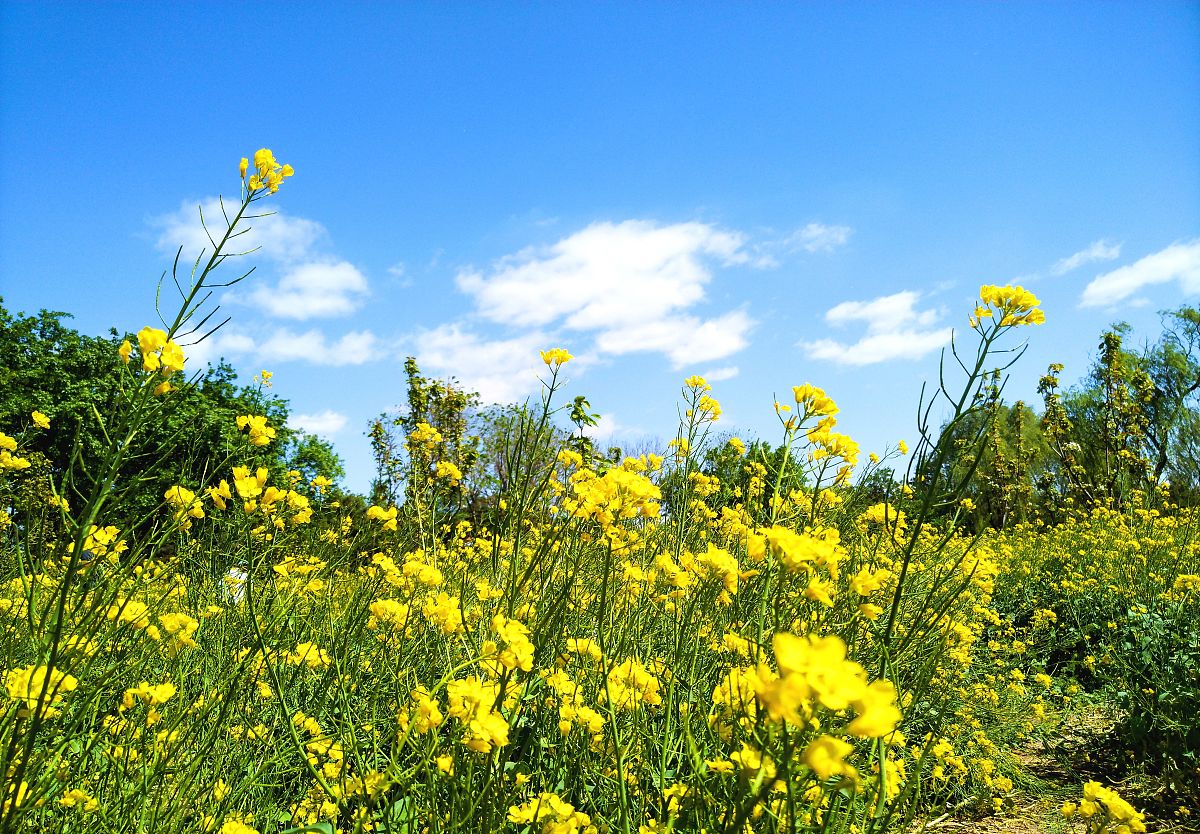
(445, 406)
(1134, 419)
(73, 379)
(1005, 448)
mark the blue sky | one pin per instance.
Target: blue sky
(769, 194)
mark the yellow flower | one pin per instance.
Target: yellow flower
(630, 684)
(148, 694)
(32, 684)
(236, 827)
(264, 161)
(876, 708)
(447, 470)
(812, 401)
(826, 756)
(261, 433)
(220, 494)
(385, 517)
(1016, 305)
(310, 655)
(556, 356)
(41, 420)
(75, 798)
(181, 627)
(172, 357)
(151, 339)
(125, 350)
(269, 172)
(242, 166)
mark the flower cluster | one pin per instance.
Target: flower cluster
(160, 355)
(268, 174)
(1105, 812)
(261, 433)
(1016, 306)
(39, 685)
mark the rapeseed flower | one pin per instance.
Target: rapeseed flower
(556, 357)
(268, 175)
(826, 757)
(31, 684)
(1016, 306)
(261, 433)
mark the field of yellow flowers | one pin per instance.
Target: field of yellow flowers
(254, 657)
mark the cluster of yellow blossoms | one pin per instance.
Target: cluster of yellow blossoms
(556, 357)
(1016, 306)
(261, 433)
(268, 173)
(39, 684)
(8, 460)
(471, 702)
(1105, 812)
(552, 814)
(159, 355)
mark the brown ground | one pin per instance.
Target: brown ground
(1059, 767)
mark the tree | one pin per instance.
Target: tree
(443, 405)
(76, 380)
(1173, 424)
(1135, 420)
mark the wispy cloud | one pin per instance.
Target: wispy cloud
(606, 275)
(279, 237)
(719, 374)
(1098, 251)
(501, 370)
(1178, 262)
(607, 426)
(896, 329)
(317, 289)
(684, 340)
(324, 423)
(818, 237)
(631, 284)
(313, 284)
(811, 238)
(356, 347)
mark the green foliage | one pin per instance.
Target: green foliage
(75, 381)
(443, 405)
(1133, 420)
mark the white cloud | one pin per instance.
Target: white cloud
(501, 370)
(1179, 261)
(719, 374)
(606, 275)
(1098, 251)
(322, 423)
(313, 290)
(607, 426)
(278, 237)
(817, 237)
(631, 283)
(283, 345)
(354, 348)
(895, 330)
(684, 339)
(313, 284)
